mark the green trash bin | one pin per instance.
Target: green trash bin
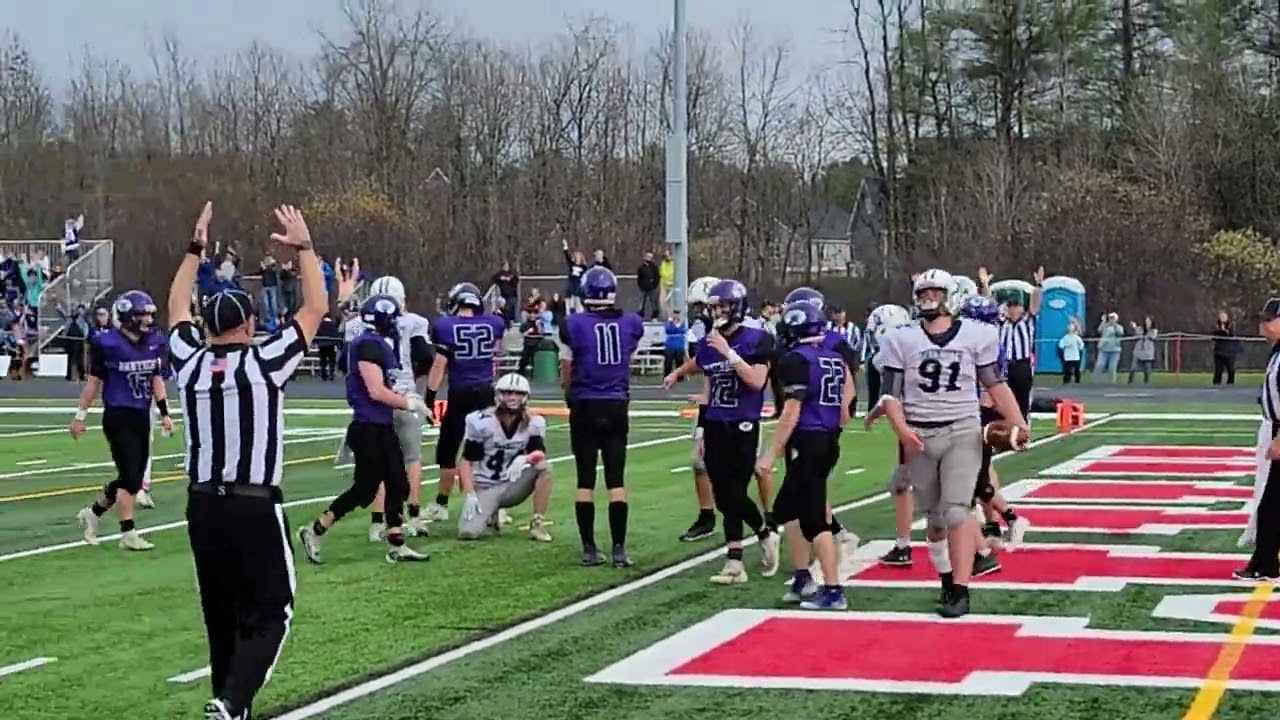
(546, 365)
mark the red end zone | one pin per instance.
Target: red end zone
(1129, 520)
(1161, 461)
(1226, 609)
(1072, 567)
(886, 652)
(1134, 492)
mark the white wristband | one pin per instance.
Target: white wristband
(734, 358)
(81, 415)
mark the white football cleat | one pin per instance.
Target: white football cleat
(537, 530)
(89, 524)
(133, 541)
(436, 513)
(770, 558)
(733, 573)
(404, 553)
(504, 519)
(1016, 532)
(377, 532)
(144, 500)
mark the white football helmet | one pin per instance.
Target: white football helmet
(963, 289)
(388, 285)
(887, 317)
(933, 279)
(700, 290)
(511, 391)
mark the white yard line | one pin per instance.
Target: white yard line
(46, 549)
(31, 462)
(370, 687)
(855, 471)
(192, 676)
(27, 665)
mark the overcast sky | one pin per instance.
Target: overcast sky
(58, 31)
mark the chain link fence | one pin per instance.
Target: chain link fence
(1179, 352)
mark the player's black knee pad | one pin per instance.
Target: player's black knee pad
(984, 491)
(109, 491)
(813, 523)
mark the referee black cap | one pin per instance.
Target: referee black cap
(1271, 310)
(227, 310)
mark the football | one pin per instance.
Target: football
(1003, 436)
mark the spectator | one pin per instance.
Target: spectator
(1110, 333)
(228, 269)
(507, 281)
(673, 348)
(330, 277)
(577, 263)
(35, 285)
(1225, 349)
(40, 261)
(648, 281)
(1071, 351)
(599, 260)
(666, 280)
(536, 327)
(558, 307)
(328, 338)
(71, 228)
(270, 271)
(289, 287)
(74, 336)
(1144, 350)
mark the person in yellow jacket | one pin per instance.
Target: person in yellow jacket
(666, 278)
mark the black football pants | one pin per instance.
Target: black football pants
(1021, 379)
(598, 431)
(245, 572)
(810, 458)
(729, 450)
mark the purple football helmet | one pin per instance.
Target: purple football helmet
(802, 321)
(599, 286)
(381, 312)
(982, 309)
(135, 310)
(806, 295)
(727, 301)
(463, 295)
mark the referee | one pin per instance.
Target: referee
(232, 400)
(1264, 564)
(1018, 338)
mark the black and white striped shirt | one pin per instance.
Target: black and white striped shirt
(1270, 398)
(1018, 338)
(232, 404)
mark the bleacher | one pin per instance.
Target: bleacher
(647, 360)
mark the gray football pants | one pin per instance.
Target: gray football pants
(495, 497)
(945, 473)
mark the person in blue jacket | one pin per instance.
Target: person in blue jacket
(676, 342)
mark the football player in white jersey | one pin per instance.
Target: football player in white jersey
(705, 524)
(504, 455)
(413, 350)
(930, 370)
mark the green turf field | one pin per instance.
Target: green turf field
(507, 628)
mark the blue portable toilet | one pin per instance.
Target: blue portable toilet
(1063, 299)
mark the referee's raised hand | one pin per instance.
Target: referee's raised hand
(296, 234)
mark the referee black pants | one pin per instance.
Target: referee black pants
(244, 568)
(873, 385)
(1021, 378)
(1266, 545)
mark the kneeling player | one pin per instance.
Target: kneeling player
(371, 434)
(817, 391)
(504, 456)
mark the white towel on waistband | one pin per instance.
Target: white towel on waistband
(1259, 483)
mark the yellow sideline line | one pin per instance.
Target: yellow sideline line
(1210, 694)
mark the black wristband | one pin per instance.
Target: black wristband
(163, 404)
(429, 397)
(195, 248)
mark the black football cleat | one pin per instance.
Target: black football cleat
(1250, 575)
(897, 557)
(591, 556)
(620, 559)
(954, 604)
(985, 564)
(699, 530)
